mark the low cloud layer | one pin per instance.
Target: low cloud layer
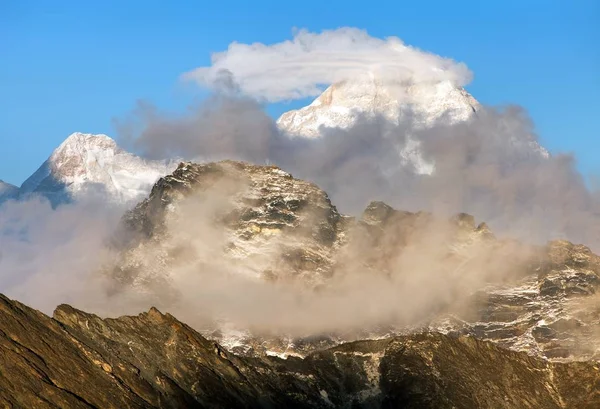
(397, 278)
(50, 256)
(490, 166)
(300, 67)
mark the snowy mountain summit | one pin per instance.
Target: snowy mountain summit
(342, 103)
(416, 105)
(94, 163)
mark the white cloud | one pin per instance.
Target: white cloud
(301, 67)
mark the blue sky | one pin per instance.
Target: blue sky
(70, 66)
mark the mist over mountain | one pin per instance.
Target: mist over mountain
(93, 164)
(392, 205)
(489, 165)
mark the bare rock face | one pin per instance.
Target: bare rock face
(268, 223)
(552, 311)
(152, 360)
(262, 222)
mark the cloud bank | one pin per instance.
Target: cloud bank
(51, 255)
(398, 277)
(300, 67)
(489, 166)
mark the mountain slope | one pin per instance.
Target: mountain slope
(228, 224)
(412, 106)
(341, 104)
(7, 191)
(272, 225)
(152, 360)
(94, 163)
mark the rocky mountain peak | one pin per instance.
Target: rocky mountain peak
(269, 226)
(260, 215)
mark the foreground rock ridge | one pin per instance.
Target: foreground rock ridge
(152, 360)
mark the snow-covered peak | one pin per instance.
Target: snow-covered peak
(85, 141)
(85, 162)
(422, 104)
(417, 105)
(79, 155)
(342, 103)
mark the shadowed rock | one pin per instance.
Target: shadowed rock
(78, 360)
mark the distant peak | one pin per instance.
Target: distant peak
(88, 136)
(7, 190)
(343, 102)
(94, 163)
(78, 143)
(88, 139)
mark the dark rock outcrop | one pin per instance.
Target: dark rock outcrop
(78, 360)
(258, 211)
(262, 221)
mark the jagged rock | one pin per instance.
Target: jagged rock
(550, 287)
(378, 213)
(465, 221)
(543, 334)
(561, 254)
(275, 227)
(78, 360)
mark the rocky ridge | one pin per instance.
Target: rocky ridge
(152, 360)
(272, 220)
(275, 228)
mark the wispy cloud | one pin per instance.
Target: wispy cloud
(300, 67)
